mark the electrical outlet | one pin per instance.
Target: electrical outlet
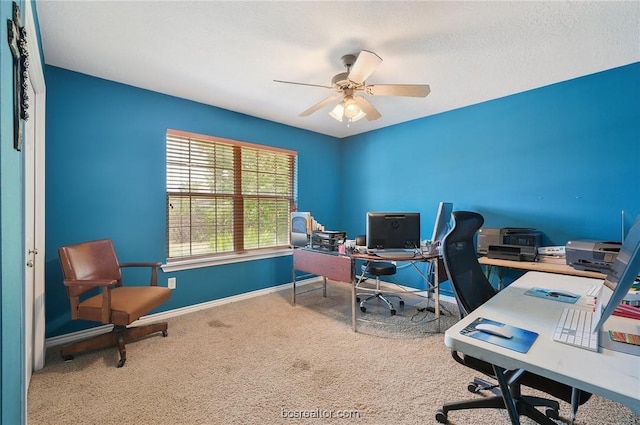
(171, 283)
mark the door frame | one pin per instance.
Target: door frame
(37, 113)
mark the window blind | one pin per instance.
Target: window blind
(226, 196)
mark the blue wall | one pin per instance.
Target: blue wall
(105, 177)
(105, 148)
(564, 159)
(12, 257)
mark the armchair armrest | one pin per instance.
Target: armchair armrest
(154, 269)
(90, 283)
(77, 287)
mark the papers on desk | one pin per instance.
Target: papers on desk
(554, 295)
(628, 311)
(625, 337)
(521, 339)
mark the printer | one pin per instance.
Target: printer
(509, 243)
(595, 256)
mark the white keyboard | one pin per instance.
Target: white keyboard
(574, 328)
(593, 291)
(396, 255)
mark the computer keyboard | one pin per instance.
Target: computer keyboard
(593, 291)
(574, 328)
(396, 254)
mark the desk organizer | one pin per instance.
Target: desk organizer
(327, 240)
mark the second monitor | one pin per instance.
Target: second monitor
(441, 226)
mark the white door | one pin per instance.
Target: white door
(33, 150)
(28, 144)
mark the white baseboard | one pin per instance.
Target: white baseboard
(162, 316)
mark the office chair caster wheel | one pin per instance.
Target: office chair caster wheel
(165, 333)
(552, 413)
(363, 309)
(401, 303)
(121, 362)
(473, 387)
(357, 299)
(393, 312)
(441, 417)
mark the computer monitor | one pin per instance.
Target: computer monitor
(300, 228)
(393, 230)
(441, 226)
(620, 278)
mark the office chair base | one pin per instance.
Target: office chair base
(524, 406)
(119, 336)
(478, 385)
(383, 298)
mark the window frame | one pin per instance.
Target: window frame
(214, 258)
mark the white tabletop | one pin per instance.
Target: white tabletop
(611, 374)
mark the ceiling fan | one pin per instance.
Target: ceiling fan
(349, 84)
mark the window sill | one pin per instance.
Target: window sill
(175, 266)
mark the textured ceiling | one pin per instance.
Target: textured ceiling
(227, 54)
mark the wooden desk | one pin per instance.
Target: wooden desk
(536, 267)
(335, 267)
(341, 268)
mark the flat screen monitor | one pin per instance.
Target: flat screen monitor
(623, 273)
(393, 230)
(300, 228)
(442, 224)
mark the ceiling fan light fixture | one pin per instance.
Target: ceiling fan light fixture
(360, 115)
(338, 112)
(351, 108)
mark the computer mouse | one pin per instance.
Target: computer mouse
(555, 293)
(494, 330)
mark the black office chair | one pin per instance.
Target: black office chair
(376, 269)
(472, 289)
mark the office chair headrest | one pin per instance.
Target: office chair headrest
(465, 225)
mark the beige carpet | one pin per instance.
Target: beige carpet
(263, 361)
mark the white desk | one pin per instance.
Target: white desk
(610, 374)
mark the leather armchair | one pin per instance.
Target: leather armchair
(91, 267)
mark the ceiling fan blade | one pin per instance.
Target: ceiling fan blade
(320, 105)
(365, 64)
(411, 90)
(367, 108)
(302, 84)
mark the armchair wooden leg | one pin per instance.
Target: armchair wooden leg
(96, 343)
(121, 332)
(118, 337)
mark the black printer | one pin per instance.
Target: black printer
(509, 243)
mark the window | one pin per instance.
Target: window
(225, 196)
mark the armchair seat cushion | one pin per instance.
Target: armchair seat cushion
(128, 303)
